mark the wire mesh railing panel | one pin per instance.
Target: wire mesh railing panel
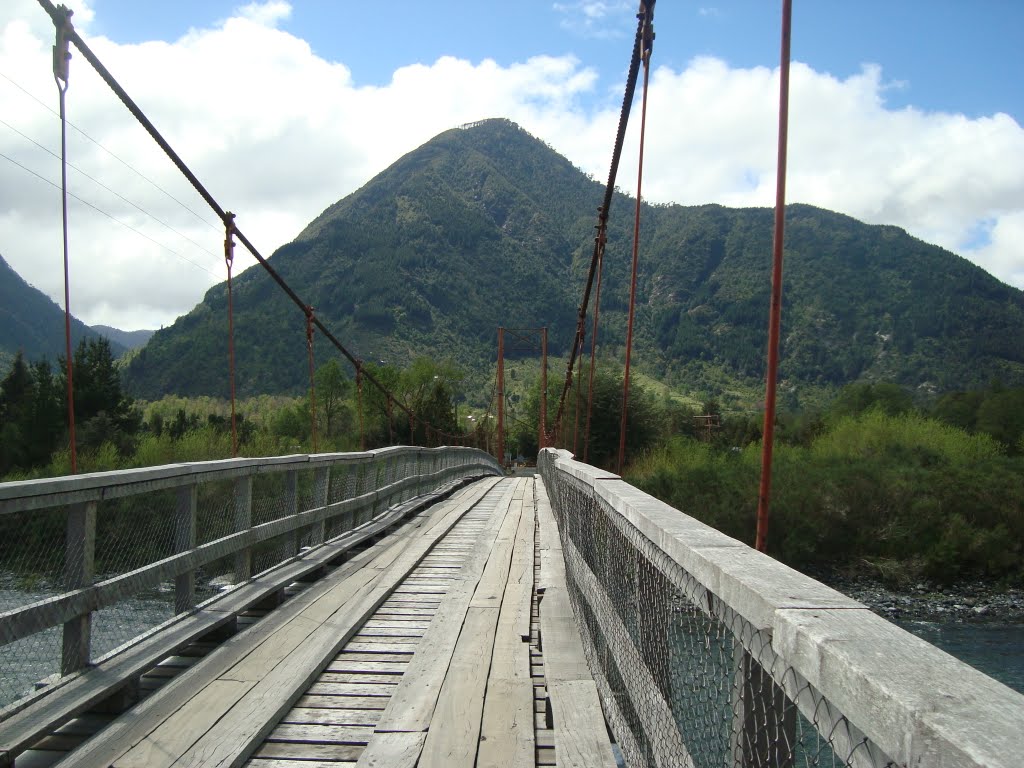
(31, 556)
(270, 499)
(685, 679)
(28, 661)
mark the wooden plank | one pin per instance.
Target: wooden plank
(343, 664)
(185, 727)
(357, 677)
(454, 732)
(331, 716)
(303, 752)
(323, 701)
(321, 734)
(260, 763)
(352, 689)
(392, 750)
(506, 732)
(581, 738)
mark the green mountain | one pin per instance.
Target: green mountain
(127, 339)
(487, 226)
(32, 322)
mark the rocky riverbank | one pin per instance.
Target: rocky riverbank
(963, 603)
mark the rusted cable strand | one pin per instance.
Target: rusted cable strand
(609, 191)
(229, 258)
(624, 419)
(601, 236)
(312, 378)
(61, 59)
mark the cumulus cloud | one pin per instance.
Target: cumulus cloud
(278, 133)
(598, 19)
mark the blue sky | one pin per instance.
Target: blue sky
(944, 55)
(902, 112)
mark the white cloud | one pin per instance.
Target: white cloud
(268, 14)
(599, 19)
(292, 133)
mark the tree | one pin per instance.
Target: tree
(98, 391)
(332, 389)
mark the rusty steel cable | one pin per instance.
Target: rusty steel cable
(61, 59)
(229, 259)
(624, 420)
(604, 210)
(359, 406)
(312, 377)
(602, 235)
(775, 311)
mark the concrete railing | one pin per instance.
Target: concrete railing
(708, 652)
(76, 550)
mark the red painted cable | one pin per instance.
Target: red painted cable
(312, 385)
(775, 311)
(623, 424)
(229, 257)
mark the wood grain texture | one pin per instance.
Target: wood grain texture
(581, 738)
(392, 750)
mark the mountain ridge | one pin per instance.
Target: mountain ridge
(487, 226)
(31, 322)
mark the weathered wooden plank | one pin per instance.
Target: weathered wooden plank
(581, 738)
(506, 732)
(377, 646)
(352, 689)
(331, 716)
(322, 701)
(392, 750)
(185, 726)
(398, 623)
(332, 753)
(357, 677)
(454, 732)
(260, 763)
(321, 734)
(344, 662)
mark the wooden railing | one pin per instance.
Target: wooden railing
(707, 652)
(227, 518)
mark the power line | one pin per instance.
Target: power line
(109, 216)
(111, 191)
(125, 163)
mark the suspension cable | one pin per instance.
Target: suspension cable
(605, 209)
(229, 258)
(648, 32)
(602, 235)
(775, 314)
(359, 404)
(312, 384)
(61, 59)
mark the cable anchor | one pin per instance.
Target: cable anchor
(61, 52)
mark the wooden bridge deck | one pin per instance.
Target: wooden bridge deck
(450, 642)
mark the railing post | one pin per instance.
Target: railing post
(79, 569)
(243, 522)
(321, 493)
(184, 540)
(764, 722)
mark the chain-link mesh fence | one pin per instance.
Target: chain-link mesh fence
(134, 522)
(686, 680)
